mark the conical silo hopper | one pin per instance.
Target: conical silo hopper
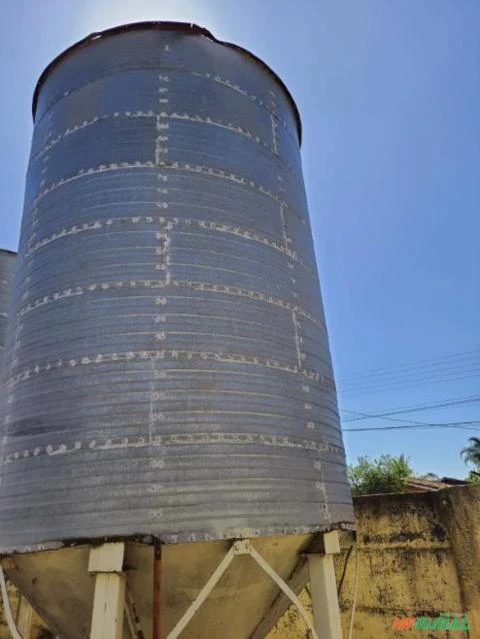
(167, 383)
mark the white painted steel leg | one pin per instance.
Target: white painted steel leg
(108, 606)
(106, 562)
(323, 587)
(24, 618)
(202, 595)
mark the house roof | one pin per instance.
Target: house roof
(418, 484)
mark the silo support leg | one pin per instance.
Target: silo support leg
(24, 618)
(106, 563)
(323, 587)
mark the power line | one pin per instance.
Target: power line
(437, 370)
(362, 416)
(410, 365)
(456, 366)
(460, 425)
(390, 385)
(469, 399)
(430, 375)
(453, 367)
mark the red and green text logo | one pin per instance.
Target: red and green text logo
(446, 621)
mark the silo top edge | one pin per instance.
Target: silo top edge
(167, 26)
(8, 252)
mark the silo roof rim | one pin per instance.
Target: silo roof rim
(167, 26)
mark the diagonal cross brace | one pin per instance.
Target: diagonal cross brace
(242, 547)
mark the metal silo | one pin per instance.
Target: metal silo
(168, 373)
(7, 262)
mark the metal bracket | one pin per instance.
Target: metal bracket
(241, 547)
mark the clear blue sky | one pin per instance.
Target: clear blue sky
(389, 94)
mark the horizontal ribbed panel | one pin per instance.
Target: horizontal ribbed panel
(167, 371)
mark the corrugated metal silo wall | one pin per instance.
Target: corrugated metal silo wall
(7, 262)
(169, 368)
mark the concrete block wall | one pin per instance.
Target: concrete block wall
(419, 555)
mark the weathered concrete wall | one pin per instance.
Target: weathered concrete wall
(419, 555)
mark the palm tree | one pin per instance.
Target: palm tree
(471, 454)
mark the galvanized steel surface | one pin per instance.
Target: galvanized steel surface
(168, 370)
(7, 262)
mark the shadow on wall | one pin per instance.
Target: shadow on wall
(419, 557)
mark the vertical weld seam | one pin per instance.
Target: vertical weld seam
(296, 338)
(167, 258)
(152, 401)
(284, 226)
(161, 103)
(274, 134)
(158, 141)
(324, 490)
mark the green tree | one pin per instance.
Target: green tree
(471, 455)
(387, 474)
(473, 477)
